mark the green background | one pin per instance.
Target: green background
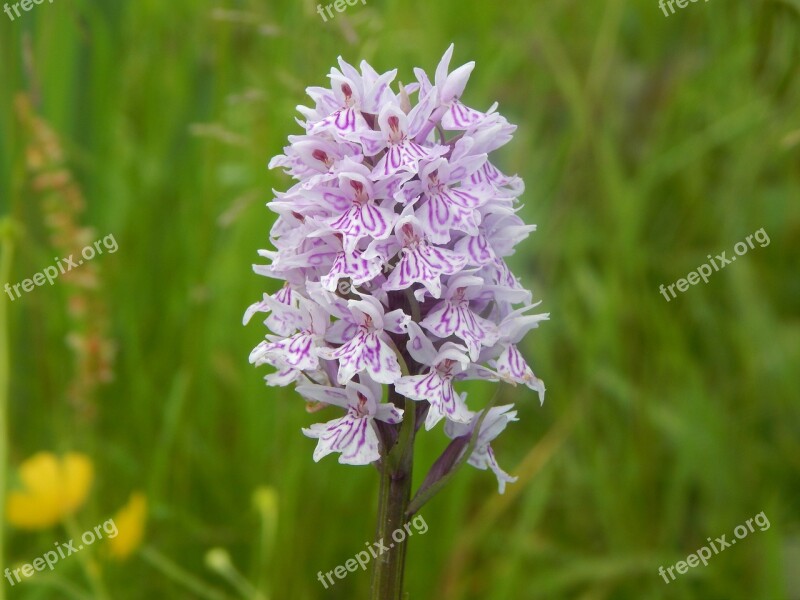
(646, 143)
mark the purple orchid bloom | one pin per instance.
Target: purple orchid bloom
(396, 136)
(435, 386)
(359, 214)
(420, 261)
(299, 350)
(362, 330)
(509, 362)
(354, 435)
(391, 246)
(449, 111)
(453, 315)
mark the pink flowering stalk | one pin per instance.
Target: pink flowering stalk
(391, 246)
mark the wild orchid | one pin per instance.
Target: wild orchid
(391, 247)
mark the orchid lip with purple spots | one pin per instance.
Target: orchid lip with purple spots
(391, 247)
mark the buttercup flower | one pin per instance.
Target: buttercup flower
(130, 523)
(391, 248)
(53, 489)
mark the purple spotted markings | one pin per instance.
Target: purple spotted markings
(390, 250)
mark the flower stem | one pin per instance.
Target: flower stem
(395, 493)
(5, 272)
(179, 575)
(90, 567)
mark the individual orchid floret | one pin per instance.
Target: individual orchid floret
(347, 118)
(353, 267)
(448, 206)
(421, 262)
(491, 175)
(509, 362)
(354, 435)
(313, 159)
(352, 96)
(482, 456)
(284, 323)
(512, 367)
(449, 111)
(498, 235)
(396, 136)
(504, 231)
(310, 258)
(300, 350)
(366, 346)
(436, 386)
(361, 216)
(453, 315)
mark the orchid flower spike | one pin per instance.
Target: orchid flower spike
(390, 252)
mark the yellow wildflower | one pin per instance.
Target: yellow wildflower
(130, 522)
(53, 490)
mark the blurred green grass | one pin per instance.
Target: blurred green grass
(646, 143)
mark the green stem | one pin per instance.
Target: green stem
(62, 585)
(90, 567)
(179, 575)
(219, 561)
(5, 273)
(395, 493)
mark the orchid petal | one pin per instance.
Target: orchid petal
(354, 438)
